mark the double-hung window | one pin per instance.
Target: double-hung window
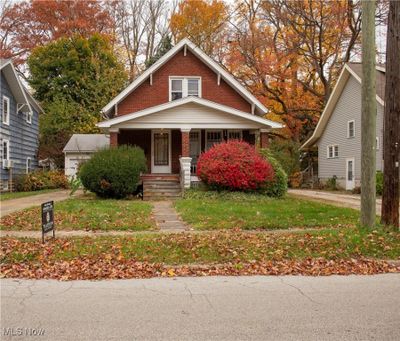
(333, 151)
(6, 110)
(351, 129)
(5, 150)
(29, 115)
(180, 87)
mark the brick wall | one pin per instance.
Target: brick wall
(147, 95)
(263, 140)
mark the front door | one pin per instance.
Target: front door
(161, 151)
(349, 174)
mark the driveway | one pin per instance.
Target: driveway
(337, 199)
(13, 205)
(205, 308)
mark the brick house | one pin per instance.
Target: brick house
(181, 106)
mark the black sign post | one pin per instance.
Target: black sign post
(47, 218)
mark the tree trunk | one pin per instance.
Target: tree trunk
(391, 141)
(368, 119)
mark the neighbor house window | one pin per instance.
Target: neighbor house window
(5, 149)
(333, 151)
(234, 134)
(377, 143)
(6, 110)
(28, 165)
(351, 129)
(29, 115)
(184, 86)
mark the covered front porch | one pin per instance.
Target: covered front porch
(174, 134)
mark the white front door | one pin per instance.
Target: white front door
(350, 174)
(161, 151)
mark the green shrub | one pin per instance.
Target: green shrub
(287, 153)
(39, 180)
(113, 173)
(278, 186)
(379, 183)
(331, 183)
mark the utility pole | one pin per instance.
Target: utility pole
(368, 116)
(391, 141)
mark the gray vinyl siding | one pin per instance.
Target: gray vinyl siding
(22, 136)
(348, 107)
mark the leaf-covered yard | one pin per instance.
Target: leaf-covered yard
(323, 252)
(87, 213)
(213, 210)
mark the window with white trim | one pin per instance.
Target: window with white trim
(6, 110)
(377, 143)
(234, 134)
(29, 116)
(5, 150)
(351, 129)
(180, 87)
(332, 151)
(28, 165)
(213, 137)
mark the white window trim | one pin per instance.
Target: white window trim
(333, 151)
(29, 116)
(8, 149)
(7, 99)
(184, 85)
(348, 129)
(212, 131)
(377, 143)
(28, 160)
(235, 130)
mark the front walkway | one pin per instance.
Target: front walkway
(166, 217)
(334, 198)
(13, 205)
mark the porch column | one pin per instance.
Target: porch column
(185, 159)
(264, 138)
(113, 139)
(185, 142)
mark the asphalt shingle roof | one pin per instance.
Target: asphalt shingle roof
(87, 143)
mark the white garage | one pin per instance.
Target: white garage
(80, 148)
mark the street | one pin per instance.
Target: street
(206, 308)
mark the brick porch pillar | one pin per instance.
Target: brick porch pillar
(185, 142)
(263, 139)
(113, 139)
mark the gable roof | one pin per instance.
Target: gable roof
(21, 94)
(349, 70)
(87, 143)
(260, 109)
(190, 99)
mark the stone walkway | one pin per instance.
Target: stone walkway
(166, 217)
(14, 205)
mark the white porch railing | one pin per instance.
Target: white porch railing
(185, 163)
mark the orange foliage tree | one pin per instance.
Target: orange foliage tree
(204, 22)
(27, 24)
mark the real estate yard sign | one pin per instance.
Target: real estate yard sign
(47, 218)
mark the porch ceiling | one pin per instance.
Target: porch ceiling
(187, 113)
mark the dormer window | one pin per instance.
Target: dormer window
(181, 87)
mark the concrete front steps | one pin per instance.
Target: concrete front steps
(161, 187)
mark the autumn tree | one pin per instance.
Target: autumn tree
(202, 21)
(73, 78)
(27, 24)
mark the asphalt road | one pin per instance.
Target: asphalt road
(209, 308)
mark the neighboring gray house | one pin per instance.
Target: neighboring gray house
(19, 127)
(80, 148)
(338, 133)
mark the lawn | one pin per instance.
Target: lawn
(16, 195)
(212, 210)
(87, 213)
(349, 250)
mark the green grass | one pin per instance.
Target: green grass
(87, 213)
(210, 211)
(210, 247)
(16, 195)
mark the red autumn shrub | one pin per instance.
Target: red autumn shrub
(234, 165)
